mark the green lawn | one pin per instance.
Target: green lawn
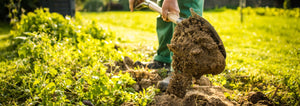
(4, 35)
(4, 30)
(263, 52)
(138, 28)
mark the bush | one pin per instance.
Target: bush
(287, 4)
(59, 62)
(266, 11)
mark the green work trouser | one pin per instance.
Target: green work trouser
(165, 29)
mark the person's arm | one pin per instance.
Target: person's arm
(132, 4)
(171, 7)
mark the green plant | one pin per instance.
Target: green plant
(14, 8)
(287, 4)
(58, 62)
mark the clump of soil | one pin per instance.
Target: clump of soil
(257, 99)
(198, 95)
(144, 78)
(201, 93)
(178, 85)
(198, 50)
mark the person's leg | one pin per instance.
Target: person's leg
(165, 29)
(164, 33)
(185, 6)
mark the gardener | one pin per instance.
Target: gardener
(165, 29)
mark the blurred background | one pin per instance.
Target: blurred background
(122, 5)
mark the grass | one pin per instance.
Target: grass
(4, 30)
(263, 49)
(137, 29)
(4, 41)
(263, 53)
(260, 39)
(132, 26)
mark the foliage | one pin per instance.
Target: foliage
(263, 55)
(57, 26)
(263, 52)
(287, 4)
(59, 62)
(14, 11)
(266, 11)
(16, 6)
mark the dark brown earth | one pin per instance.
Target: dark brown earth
(198, 50)
(143, 78)
(202, 92)
(197, 95)
(257, 99)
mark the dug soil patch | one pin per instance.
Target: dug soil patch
(196, 96)
(198, 50)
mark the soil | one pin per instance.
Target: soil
(144, 78)
(124, 65)
(202, 92)
(198, 50)
(257, 99)
(197, 95)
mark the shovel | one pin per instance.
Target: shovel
(176, 19)
(182, 65)
(153, 6)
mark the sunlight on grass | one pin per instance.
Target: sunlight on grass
(266, 47)
(135, 27)
(4, 34)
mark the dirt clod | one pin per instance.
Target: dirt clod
(144, 78)
(259, 98)
(197, 49)
(195, 96)
(179, 84)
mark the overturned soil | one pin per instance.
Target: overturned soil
(197, 95)
(202, 92)
(198, 50)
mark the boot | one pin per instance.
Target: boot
(163, 85)
(153, 65)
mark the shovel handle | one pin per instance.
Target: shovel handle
(172, 17)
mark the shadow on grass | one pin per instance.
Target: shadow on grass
(4, 28)
(7, 50)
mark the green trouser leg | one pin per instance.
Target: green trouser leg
(165, 29)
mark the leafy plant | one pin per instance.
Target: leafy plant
(59, 62)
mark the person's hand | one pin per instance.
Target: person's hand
(169, 7)
(133, 3)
